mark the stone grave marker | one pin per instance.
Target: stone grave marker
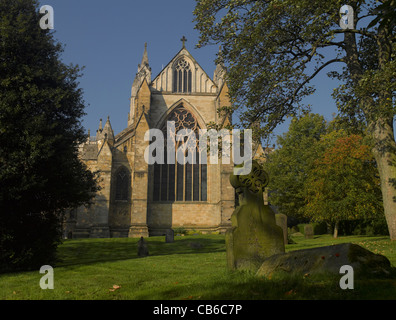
(327, 260)
(253, 235)
(142, 248)
(169, 236)
(308, 231)
(281, 221)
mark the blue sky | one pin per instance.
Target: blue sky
(107, 37)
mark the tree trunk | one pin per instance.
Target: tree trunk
(381, 128)
(383, 136)
(385, 155)
(335, 233)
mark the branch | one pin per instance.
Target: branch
(322, 43)
(325, 43)
(330, 43)
(362, 32)
(322, 67)
(288, 102)
(311, 77)
(365, 16)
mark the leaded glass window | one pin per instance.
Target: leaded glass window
(181, 182)
(182, 77)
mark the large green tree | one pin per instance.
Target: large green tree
(290, 164)
(274, 49)
(40, 128)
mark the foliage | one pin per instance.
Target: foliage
(344, 184)
(289, 165)
(274, 49)
(320, 172)
(370, 227)
(40, 129)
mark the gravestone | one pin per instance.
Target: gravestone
(253, 235)
(281, 221)
(142, 248)
(327, 260)
(308, 231)
(169, 236)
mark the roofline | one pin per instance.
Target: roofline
(194, 60)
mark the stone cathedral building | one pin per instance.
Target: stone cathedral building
(138, 199)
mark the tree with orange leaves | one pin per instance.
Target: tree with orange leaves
(345, 183)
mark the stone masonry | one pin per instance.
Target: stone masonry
(133, 202)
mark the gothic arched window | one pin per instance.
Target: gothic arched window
(122, 184)
(182, 77)
(181, 182)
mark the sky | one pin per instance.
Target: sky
(108, 37)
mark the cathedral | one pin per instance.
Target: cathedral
(141, 199)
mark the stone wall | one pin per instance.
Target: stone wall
(189, 215)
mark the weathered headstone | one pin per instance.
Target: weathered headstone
(169, 236)
(308, 231)
(254, 234)
(281, 221)
(327, 260)
(142, 248)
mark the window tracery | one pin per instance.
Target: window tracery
(182, 77)
(181, 182)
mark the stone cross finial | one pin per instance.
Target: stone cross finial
(255, 182)
(184, 39)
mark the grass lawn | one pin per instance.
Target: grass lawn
(193, 267)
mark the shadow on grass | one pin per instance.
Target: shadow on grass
(244, 286)
(86, 251)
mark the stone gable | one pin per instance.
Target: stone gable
(138, 199)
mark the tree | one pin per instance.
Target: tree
(344, 183)
(40, 129)
(273, 49)
(290, 164)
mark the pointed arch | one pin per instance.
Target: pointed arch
(122, 183)
(174, 181)
(182, 75)
(186, 105)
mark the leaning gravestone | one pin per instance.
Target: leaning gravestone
(169, 236)
(142, 248)
(253, 235)
(327, 260)
(308, 231)
(281, 221)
